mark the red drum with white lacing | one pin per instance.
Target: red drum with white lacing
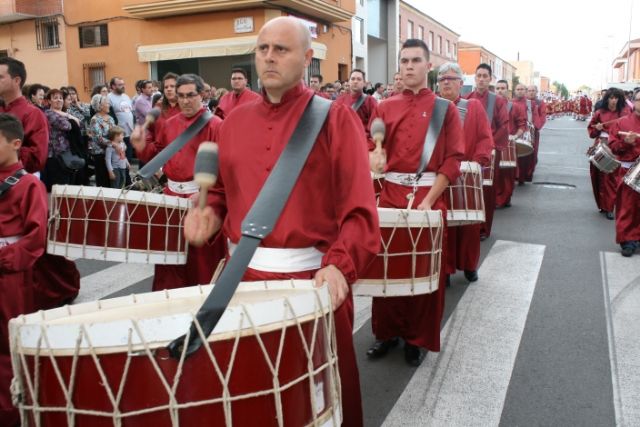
(509, 156)
(465, 200)
(487, 171)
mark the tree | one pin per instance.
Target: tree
(562, 90)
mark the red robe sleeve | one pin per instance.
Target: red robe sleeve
(500, 124)
(453, 137)
(476, 128)
(542, 116)
(35, 147)
(591, 128)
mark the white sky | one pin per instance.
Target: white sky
(573, 42)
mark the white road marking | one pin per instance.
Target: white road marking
(111, 279)
(466, 383)
(621, 285)
(362, 310)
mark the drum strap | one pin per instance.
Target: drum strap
(462, 108)
(430, 139)
(258, 223)
(163, 157)
(529, 111)
(356, 105)
(491, 106)
(10, 181)
(509, 106)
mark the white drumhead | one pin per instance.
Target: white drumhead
(473, 167)
(160, 317)
(115, 194)
(390, 217)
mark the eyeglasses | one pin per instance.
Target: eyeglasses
(448, 79)
(190, 95)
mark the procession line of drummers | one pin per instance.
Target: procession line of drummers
(614, 165)
(335, 245)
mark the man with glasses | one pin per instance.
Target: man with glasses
(624, 141)
(201, 261)
(463, 244)
(239, 93)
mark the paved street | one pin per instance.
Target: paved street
(547, 336)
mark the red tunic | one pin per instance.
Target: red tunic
(201, 262)
(504, 179)
(527, 164)
(627, 199)
(416, 319)
(464, 241)
(366, 110)
(152, 147)
(23, 213)
(231, 100)
(35, 146)
(332, 206)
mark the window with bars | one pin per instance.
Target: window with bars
(4, 53)
(93, 75)
(313, 68)
(94, 36)
(47, 33)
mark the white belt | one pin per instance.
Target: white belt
(8, 240)
(187, 187)
(282, 260)
(409, 179)
(626, 165)
(604, 135)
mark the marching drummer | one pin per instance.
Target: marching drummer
(625, 142)
(463, 244)
(201, 262)
(416, 319)
(23, 215)
(328, 230)
(363, 104)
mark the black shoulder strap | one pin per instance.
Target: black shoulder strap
(435, 126)
(463, 106)
(163, 157)
(356, 105)
(491, 106)
(11, 181)
(509, 106)
(258, 223)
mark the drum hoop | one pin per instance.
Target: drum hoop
(117, 195)
(412, 217)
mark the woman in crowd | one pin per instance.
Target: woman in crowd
(35, 95)
(98, 132)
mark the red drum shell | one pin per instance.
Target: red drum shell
(509, 156)
(488, 172)
(465, 200)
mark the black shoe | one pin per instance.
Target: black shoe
(471, 275)
(448, 282)
(610, 215)
(628, 248)
(413, 355)
(520, 183)
(507, 205)
(380, 348)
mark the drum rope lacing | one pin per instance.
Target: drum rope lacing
(320, 415)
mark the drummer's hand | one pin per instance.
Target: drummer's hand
(631, 138)
(377, 160)
(425, 205)
(337, 284)
(200, 225)
(599, 126)
(138, 138)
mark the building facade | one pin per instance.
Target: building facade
(471, 55)
(626, 66)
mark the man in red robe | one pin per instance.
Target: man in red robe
(463, 244)
(35, 145)
(627, 146)
(416, 319)
(500, 130)
(23, 228)
(330, 214)
(315, 83)
(526, 164)
(238, 95)
(363, 104)
(202, 261)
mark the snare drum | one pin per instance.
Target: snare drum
(524, 144)
(603, 158)
(271, 361)
(487, 171)
(632, 177)
(509, 157)
(465, 200)
(409, 259)
(115, 225)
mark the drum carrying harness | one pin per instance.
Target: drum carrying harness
(356, 105)
(257, 225)
(10, 181)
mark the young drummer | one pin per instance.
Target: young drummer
(23, 224)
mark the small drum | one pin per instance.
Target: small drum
(271, 361)
(487, 171)
(378, 182)
(524, 144)
(603, 159)
(115, 225)
(632, 177)
(465, 200)
(509, 157)
(409, 260)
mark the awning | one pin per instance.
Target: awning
(210, 48)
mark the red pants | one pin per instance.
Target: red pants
(504, 182)
(489, 194)
(347, 366)
(57, 281)
(201, 264)
(463, 248)
(605, 186)
(627, 213)
(527, 164)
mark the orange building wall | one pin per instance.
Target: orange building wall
(468, 61)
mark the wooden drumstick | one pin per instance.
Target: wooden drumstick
(205, 171)
(628, 134)
(151, 117)
(377, 133)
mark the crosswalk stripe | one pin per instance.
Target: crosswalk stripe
(621, 286)
(362, 310)
(466, 383)
(111, 279)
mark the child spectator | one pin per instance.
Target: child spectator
(116, 159)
